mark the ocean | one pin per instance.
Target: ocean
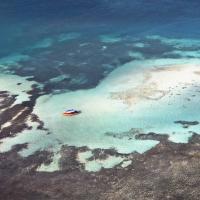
(130, 66)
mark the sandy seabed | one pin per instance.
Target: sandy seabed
(148, 95)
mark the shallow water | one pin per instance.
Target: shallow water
(119, 64)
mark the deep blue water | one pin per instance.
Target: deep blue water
(180, 17)
(25, 23)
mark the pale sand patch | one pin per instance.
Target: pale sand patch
(126, 163)
(9, 83)
(98, 164)
(157, 83)
(197, 72)
(53, 166)
(82, 157)
(7, 124)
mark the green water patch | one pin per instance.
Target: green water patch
(110, 38)
(68, 36)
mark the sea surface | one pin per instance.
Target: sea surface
(130, 66)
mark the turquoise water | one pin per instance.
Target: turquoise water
(103, 115)
(118, 62)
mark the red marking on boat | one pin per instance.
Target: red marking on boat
(71, 112)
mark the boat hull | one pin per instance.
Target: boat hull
(71, 114)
